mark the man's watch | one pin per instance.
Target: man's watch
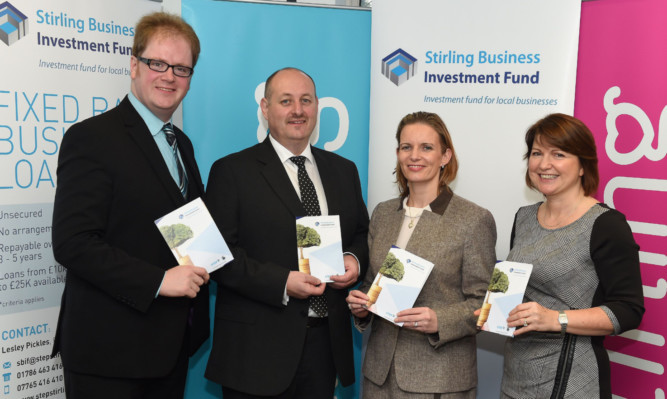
(562, 319)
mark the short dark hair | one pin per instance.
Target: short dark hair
(448, 174)
(162, 23)
(267, 86)
(570, 135)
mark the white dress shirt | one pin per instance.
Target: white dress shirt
(292, 172)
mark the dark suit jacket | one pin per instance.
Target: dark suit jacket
(112, 184)
(257, 340)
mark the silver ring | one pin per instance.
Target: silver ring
(525, 323)
(349, 306)
(416, 324)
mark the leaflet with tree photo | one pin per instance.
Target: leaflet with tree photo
(505, 292)
(193, 237)
(319, 246)
(398, 283)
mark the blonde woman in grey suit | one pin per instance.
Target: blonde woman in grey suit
(434, 354)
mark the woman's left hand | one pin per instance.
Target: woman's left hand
(531, 316)
(418, 319)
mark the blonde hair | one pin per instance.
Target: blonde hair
(162, 23)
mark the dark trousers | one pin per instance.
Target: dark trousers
(171, 386)
(316, 375)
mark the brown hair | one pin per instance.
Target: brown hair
(448, 174)
(569, 134)
(162, 23)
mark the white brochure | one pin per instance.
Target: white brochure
(505, 292)
(193, 237)
(319, 246)
(398, 283)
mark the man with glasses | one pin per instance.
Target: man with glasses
(130, 317)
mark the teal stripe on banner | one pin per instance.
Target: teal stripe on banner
(242, 44)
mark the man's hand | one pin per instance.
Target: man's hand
(350, 276)
(183, 280)
(302, 285)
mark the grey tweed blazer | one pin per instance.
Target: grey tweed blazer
(459, 237)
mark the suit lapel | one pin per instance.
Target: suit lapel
(424, 230)
(393, 226)
(138, 132)
(429, 222)
(330, 182)
(276, 177)
(195, 185)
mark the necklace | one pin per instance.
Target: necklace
(560, 221)
(412, 218)
(408, 213)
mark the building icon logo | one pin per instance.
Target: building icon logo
(13, 24)
(399, 66)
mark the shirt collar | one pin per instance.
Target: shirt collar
(439, 204)
(405, 205)
(284, 154)
(153, 123)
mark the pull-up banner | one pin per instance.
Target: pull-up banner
(61, 61)
(490, 69)
(622, 97)
(242, 44)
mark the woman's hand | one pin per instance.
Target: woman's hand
(418, 319)
(356, 301)
(531, 316)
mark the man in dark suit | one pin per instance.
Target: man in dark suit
(269, 340)
(129, 317)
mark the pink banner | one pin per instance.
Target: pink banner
(621, 95)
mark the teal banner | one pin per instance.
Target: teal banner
(242, 44)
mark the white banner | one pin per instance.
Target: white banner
(62, 61)
(490, 70)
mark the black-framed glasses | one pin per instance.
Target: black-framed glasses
(161, 66)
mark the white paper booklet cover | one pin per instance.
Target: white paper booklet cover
(193, 237)
(505, 292)
(319, 246)
(398, 283)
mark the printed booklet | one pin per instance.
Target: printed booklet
(398, 283)
(319, 246)
(193, 237)
(505, 292)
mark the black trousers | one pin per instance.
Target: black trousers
(316, 375)
(171, 386)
